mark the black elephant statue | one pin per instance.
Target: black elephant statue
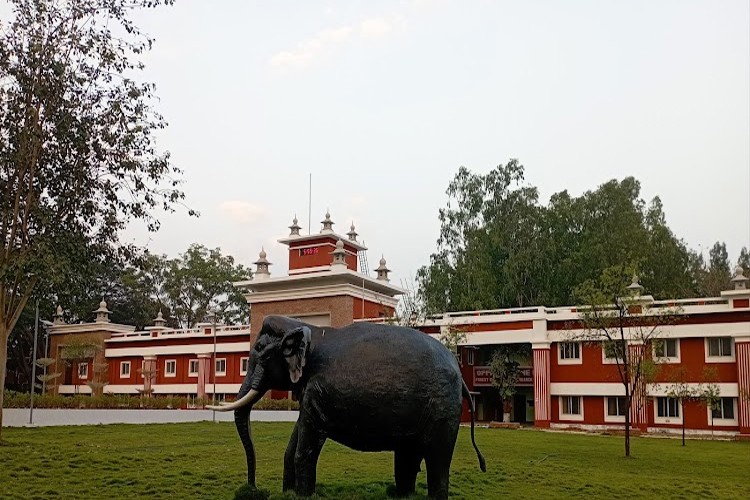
(368, 386)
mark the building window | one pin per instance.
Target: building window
(221, 366)
(616, 406)
(724, 410)
(170, 368)
(83, 370)
(244, 362)
(667, 408)
(569, 352)
(124, 369)
(667, 350)
(193, 368)
(612, 351)
(720, 347)
(571, 408)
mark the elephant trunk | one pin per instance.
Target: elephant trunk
(247, 397)
(242, 421)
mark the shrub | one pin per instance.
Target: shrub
(249, 492)
(15, 399)
(276, 404)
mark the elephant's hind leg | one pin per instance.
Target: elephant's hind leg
(406, 466)
(291, 449)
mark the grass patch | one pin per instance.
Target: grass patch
(205, 460)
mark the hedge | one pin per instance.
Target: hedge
(124, 401)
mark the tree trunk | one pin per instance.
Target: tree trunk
(627, 422)
(3, 365)
(683, 428)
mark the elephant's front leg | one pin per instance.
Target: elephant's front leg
(309, 443)
(291, 450)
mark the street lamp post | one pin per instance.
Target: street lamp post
(212, 315)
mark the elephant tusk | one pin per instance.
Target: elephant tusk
(248, 398)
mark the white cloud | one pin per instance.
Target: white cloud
(309, 49)
(242, 212)
(375, 27)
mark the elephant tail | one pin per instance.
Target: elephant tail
(467, 395)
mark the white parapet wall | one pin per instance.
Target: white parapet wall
(19, 417)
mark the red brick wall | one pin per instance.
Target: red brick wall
(325, 245)
(372, 309)
(70, 373)
(340, 308)
(590, 370)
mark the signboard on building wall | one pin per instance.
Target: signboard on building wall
(483, 376)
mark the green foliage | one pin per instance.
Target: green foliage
(78, 157)
(716, 277)
(452, 337)
(505, 375)
(206, 461)
(15, 399)
(201, 279)
(249, 492)
(744, 260)
(499, 247)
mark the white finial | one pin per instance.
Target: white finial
(352, 234)
(294, 228)
(159, 321)
(58, 318)
(635, 288)
(383, 270)
(339, 256)
(102, 314)
(739, 280)
(327, 224)
(262, 271)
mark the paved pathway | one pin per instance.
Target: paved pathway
(19, 417)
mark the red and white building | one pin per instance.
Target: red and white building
(564, 383)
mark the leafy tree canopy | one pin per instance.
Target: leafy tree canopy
(78, 156)
(500, 247)
(201, 280)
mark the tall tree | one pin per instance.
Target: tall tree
(716, 277)
(744, 260)
(78, 158)
(485, 256)
(498, 247)
(201, 280)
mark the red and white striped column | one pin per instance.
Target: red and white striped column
(639, 406)
(204, 367)
(542, 400)
(149, 373)
(742, 355)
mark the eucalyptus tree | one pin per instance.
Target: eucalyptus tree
(500, 247)
(744, 259)
(78, 154)
(486, 252)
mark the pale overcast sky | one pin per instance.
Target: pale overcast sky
(383, 101)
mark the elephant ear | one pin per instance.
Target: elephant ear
(294, 346)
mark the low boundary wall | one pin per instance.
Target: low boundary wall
(43, 417)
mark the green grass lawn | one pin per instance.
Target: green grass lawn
(205, 460)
